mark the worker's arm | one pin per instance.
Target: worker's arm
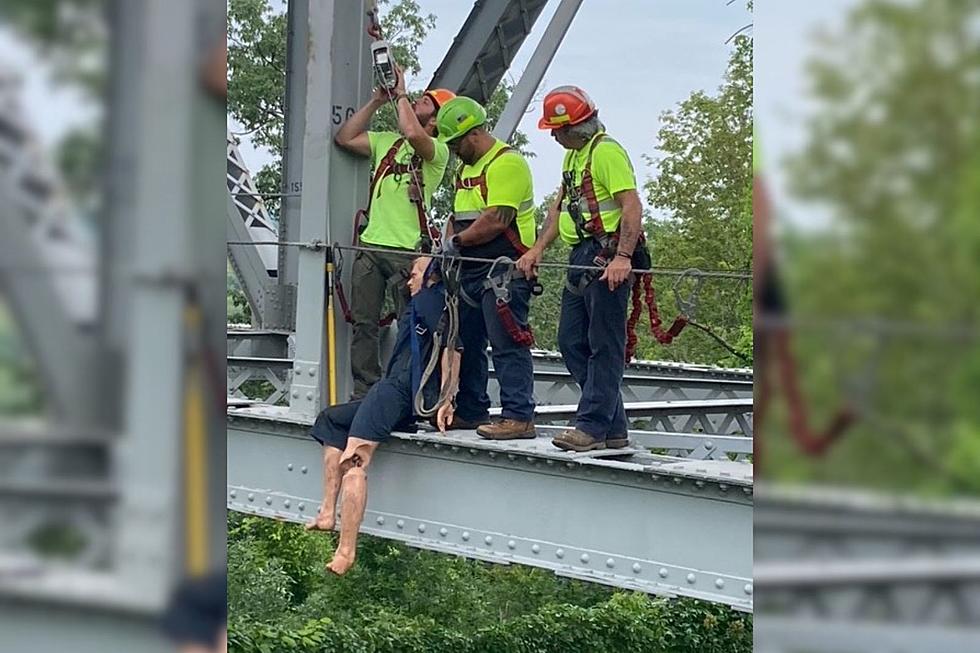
(630, 224)
(450, 386)
(353, 134)
(408, 122)
(528, 264)
(492, 222)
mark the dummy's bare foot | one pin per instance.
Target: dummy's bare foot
(324, 521)
(340, 563)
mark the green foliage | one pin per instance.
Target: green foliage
(704, 189)
(891, 154)
(69, 34)
(401, 599)
(627, 622)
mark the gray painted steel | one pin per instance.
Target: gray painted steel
(32, 627)
(297, 15)
(523, 502)
(846, 571)
(248, 265)
(514, 110)
(63, 354)
(486, 45)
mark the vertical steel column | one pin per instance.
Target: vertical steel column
(148, 457)
(337, 77)
(536, 67)
(118, 232)
(297, 16)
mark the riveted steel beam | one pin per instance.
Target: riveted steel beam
(524, 503)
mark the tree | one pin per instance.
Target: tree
(891, 153)
(703, 187)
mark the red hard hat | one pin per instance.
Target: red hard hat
(440, 96)
(566, 105)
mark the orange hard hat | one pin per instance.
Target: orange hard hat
(440, 96)
(566, 105)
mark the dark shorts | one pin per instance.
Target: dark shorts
(387, 407)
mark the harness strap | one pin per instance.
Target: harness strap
(480, 181)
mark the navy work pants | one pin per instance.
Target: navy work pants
(592, 340)
(511, 361)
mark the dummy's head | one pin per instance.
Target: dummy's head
(422, 274)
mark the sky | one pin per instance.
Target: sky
(635, 58)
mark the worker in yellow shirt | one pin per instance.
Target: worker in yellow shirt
(407, 168)
(493, 218)
(598, 213)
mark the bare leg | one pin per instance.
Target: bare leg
(354, 465)
(324, 521)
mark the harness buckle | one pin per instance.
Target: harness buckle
(500, 284)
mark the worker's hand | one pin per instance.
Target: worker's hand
(380, 95)
(528, 264)
(445, 416)
(617, 272)
(450, 246)
(399, 81)
(374, 31)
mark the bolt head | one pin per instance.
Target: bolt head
(610, 563)
(287, 503)
(535, 549)
(560, 553)
(637, 568)
(720, 583)
(303, 469)
(251, 497)
(289, 467)
(511, 544)
(443, 532)
(309, 396)
(421, 528)
(488, 540)
(301, 507)
(380, 520)
(466, 536)
(663, 572)
(233, 494)
(691, 578)
(400, 523)
(748, 588)
(584, 558)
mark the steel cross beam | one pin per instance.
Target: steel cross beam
(846, 571)
(525, 503)
(716, 416)
(485, 47)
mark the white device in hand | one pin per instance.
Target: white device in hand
(384, 64)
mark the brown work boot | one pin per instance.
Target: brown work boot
(459, 424)
(575, 440)
(507, 429)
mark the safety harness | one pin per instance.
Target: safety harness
(416, 195)
(465, 218)
(500, 284)
(593, 226)
(446, 335)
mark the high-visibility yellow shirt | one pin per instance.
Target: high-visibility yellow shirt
(394, 220)
(612, 172)
(508, 183)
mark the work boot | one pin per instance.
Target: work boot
(459, 424)
(619, 441)
(576, 440)
(507, 429)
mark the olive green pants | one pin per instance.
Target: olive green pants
(372, 275)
